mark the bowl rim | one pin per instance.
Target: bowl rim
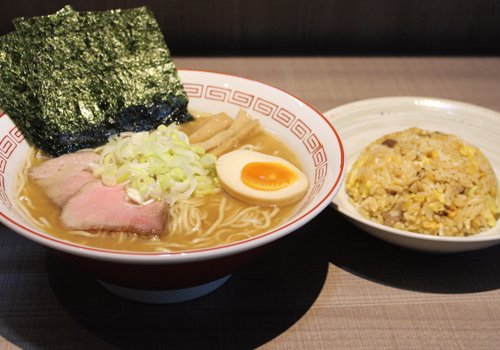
(200, 254)
(484, 236)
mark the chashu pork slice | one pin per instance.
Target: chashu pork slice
(61, 177)
(99, 207)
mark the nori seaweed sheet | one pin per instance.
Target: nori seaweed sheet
(15, 93)
(72, 79)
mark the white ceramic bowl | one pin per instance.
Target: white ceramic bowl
(360, 123)
(191, 274)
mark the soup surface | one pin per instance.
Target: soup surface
(195, 223)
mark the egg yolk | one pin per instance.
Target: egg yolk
(267, 176)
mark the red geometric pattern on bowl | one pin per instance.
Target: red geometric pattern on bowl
(193, 90)
(216, 93)
(4, 198)
(264, 107)
(284, 117)
(319, 156)
(3, 164)
(241, 99)
(320, 172)
(7, 146)
(16, 134)
(317, 188)
(300, 129)
(312, 143)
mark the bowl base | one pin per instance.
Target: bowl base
(165, 296)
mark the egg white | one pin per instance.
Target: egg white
(230, 165)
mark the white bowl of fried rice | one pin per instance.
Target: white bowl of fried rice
(421, 172)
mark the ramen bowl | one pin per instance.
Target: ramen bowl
(179, 276)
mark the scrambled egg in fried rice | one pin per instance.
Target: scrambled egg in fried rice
(426, 182)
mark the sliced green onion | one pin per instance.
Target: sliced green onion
(160, 164)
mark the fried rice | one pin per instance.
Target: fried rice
(427, 182)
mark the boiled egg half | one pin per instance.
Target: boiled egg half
(261, 179)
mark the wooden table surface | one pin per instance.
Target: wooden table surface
(327, 286)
